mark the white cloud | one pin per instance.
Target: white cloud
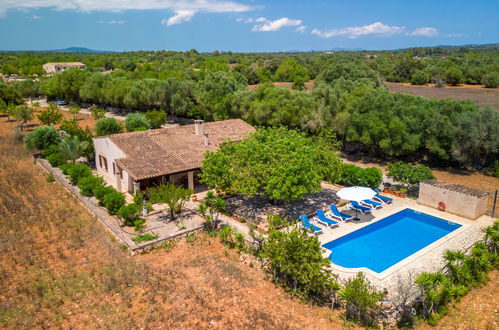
(260, 19)
(376, 29)
(460, 35)
(113, 22)
(36, 17)
(275, 25)
(424, 32)
(249, 20)
(180, 17)
(301, 29)
(240, 19)
(184, 10)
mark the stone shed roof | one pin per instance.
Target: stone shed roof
(165, 151)
(66, 63)
(456, 187)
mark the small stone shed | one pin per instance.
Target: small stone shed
(460, 200)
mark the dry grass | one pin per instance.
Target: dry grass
(59, 268)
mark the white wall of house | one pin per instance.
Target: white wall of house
(106, 148)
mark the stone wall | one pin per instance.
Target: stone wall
(460, 200)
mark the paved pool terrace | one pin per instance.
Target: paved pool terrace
(428, 259)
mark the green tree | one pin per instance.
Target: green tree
(408, 174)
(491, 80)
(156, 118)
(278, 163)
(108, 126)
(74, 109)
(136, 122)
(296, 262)
(98, 113)
(419, 77)
(41, 138)
(49, 117)
(72, 148)
(23, 114)
(453, 76)
(172, 195)
(210, 209)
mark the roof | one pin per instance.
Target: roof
(165, 151)
(65, 63)
(456, 187)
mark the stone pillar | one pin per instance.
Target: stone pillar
(190, 180)
(118, 181)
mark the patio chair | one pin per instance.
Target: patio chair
(381, 198)
(360, 208)
(335, 213)
(323, 219)
(306, 224)
(371, 204)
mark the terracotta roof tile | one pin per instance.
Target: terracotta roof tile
(166, 151)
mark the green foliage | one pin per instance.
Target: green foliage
(108, 126)
(145, 238)
(136, 122)
(98, 113)
(362, 297)
(211, 208)
(129, 213)
(453, 76)
(174, 196)
(74, 109)
(419, 77)
(275, 162)
(113, 201)
(49, 117)
(156, 118)
(89, 184)
(66, 167)
(49, 177)
(408, 174)
(41, 138)
(353, 175)
(101, 191)
(56, 159)
(296, 262)
(23, 114)
(72, 128)
(78, 171)
(9, 95)
(72, 148)
(491, 79)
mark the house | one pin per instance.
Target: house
(62, 66)
(137, 160)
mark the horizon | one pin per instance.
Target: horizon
(245, 26)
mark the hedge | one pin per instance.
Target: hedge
(353, 175)
(78, 171)
(113, 202)
(89, 184)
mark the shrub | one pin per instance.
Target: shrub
(108, 126)
(49, 117)
(65, 168)
(56, 159)
(491, 80)
(98, 113)
(136, 122)
(53, 149)
(362, 297)
(88, 184)
(79, 171)
(419, 77)
(145, 238)
(353, 175)
(50, 177)
(113, 201)
(41, 138)
(102, 191)
(453, 76)
(129, 213)
(408, 174)
(156, 118)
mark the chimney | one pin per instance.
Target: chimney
(199, 127)
(206, 139)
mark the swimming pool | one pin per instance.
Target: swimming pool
(389, 240)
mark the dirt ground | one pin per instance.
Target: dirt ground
(60, 269)
(84, 120)
(482, 96)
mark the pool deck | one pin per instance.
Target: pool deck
(428, 259)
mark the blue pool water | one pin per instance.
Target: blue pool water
(389, 240)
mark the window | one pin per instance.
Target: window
(103, 162)
(117, 169)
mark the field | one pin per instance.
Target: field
(482, 96)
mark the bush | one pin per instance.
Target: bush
(353, 175)
(491, 80)
(129, 213)
(102, 191)
(88, 184)
(78, 171)
(65, 168)
(41, 138)
(113, 202)
(408, 174)
(156, 118)
(453, 76)
(108, 126)
(56, 159)
(49, 117)
(145, 238)
(419, 77)
(136, 122)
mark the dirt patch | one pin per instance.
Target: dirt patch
(478, 94)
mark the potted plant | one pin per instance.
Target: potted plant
(393, 190)
(403, 192)
(386, 187)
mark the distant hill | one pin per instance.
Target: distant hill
(65, 50)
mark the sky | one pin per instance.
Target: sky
(245, 25)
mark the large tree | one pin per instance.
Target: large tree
(278, 163)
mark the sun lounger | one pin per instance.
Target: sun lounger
(371, 204)
(306, 224)
(335, 213)
(323, 219)
(383, 199)
(360, 208)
